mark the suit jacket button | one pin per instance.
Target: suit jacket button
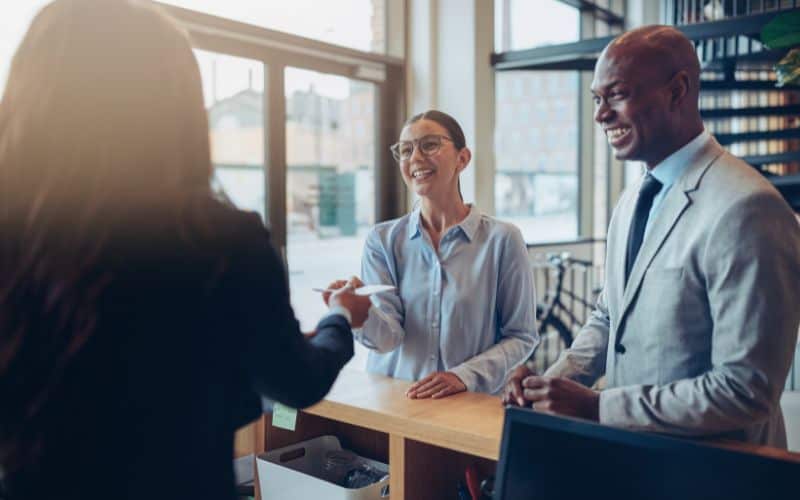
(619, 348)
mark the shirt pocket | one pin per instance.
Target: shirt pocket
(661, 290)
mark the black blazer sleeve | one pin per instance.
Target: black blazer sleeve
(281, 363)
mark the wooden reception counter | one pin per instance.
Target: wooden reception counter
(427, 443)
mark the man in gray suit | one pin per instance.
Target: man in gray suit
(697, 322)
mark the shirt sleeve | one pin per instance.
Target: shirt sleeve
(281, 362)
(342, 311)
(585, 360)
(383, 330)
(516, 311)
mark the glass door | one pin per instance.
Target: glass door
(330, 183)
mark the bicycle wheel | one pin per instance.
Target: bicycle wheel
(563, 330)
(554, 322)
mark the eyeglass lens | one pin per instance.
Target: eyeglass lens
(427, 145)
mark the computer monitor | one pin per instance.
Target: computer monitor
(554, 458)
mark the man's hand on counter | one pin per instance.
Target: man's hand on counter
(436, 385)
(513, 395)
(554, 395)
(561, 396)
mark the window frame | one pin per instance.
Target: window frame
(583, 220)
(594, 156)
(277, 51)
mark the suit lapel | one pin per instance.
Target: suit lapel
(676, 203)
(618, 252)
(667, 216)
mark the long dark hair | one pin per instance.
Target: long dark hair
(450, 124)
(102, 124)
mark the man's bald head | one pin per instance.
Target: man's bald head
(659, 50)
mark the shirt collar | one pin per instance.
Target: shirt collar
(413, 223)
(469, 226)
(671, 167)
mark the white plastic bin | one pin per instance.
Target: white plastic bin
(293, 473)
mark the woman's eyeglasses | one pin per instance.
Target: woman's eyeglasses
(428, 145)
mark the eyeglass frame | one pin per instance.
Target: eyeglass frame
(415, 145)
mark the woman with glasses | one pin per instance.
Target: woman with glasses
(463, 309)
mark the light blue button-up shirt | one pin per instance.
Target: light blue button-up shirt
(670, 170)
(468, 308)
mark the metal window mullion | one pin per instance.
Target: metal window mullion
(585, 152)
(275, 152)
(390, 191)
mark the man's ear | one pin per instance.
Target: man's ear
(464, 157)
(678, 89)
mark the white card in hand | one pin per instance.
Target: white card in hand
(372, 289)
(363, 291)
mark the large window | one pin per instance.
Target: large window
(330, 183)
(536, 153)
(537, 124)
(233, 88)
(522, 24)
(357, 24)
(15, 18)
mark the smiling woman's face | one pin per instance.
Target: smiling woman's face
(435, 175)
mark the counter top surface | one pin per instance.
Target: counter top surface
(469, 422)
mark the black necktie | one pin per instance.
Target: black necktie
(650, 187)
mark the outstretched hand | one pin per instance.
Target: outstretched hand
(357, 305)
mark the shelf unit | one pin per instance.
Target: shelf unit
(734, 62)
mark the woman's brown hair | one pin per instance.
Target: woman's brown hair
(102, 125)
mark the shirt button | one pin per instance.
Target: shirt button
(433, 358)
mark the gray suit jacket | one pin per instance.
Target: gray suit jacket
(700, 341)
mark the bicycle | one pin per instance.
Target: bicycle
(552, 313)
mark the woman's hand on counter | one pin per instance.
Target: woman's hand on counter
(436, 385)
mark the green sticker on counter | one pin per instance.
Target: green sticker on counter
(284, 417)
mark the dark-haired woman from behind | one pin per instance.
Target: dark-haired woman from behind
(140, 319)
